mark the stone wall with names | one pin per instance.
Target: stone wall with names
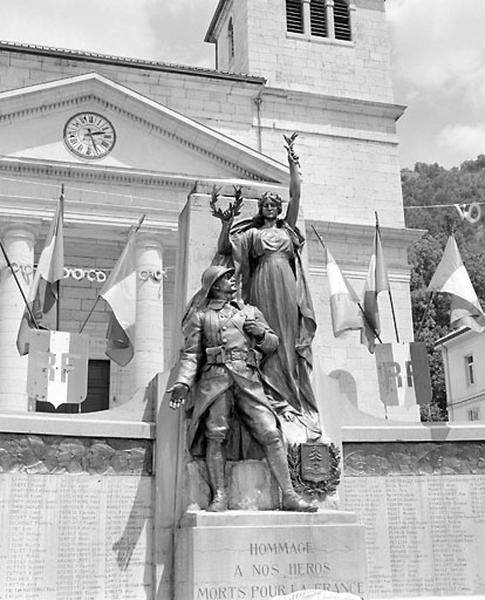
(423, 507)
(75, 537)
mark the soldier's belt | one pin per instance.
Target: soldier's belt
(220, 355)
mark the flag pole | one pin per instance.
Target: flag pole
(139, 224)
(135, 230)
(394, 317)
(89, 315)
(376, 335)
(391, 300)
(58, 283)
(22, 293)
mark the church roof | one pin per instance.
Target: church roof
(209, 36)
(126, 61)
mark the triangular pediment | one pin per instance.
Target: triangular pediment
(149, 136)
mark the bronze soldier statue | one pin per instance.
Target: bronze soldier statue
(224, 342)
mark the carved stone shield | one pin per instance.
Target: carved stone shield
(315, 461)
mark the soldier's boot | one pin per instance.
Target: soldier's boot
(215, 465)
(278, 463)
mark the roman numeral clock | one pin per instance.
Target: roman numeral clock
(89, 135)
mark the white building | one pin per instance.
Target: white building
(463, 354)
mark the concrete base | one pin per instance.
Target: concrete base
(244, 555)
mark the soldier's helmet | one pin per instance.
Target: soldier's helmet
(199, 300)
(211, 275)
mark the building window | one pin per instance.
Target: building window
(98, 386)
(470, 369)
(318, 18)
(294, 16)
(230, 38)
(341, 17)
(474, 414)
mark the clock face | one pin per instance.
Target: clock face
(89, 135)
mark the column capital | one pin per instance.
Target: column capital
(148, 239)
(20, 230)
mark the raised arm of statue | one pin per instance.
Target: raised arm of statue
(295, 181)
(224, 241)
(226, 217)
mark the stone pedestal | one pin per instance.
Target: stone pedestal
(242, 555)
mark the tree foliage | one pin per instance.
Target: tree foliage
(430, 193)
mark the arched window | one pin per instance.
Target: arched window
(318, 18)
(294, 16)
(341, 17)
(230, 38)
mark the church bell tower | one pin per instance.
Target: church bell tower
(332, 47)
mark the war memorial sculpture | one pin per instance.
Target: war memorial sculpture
(243, 378)
(243, 373)
(110, 501)
(224, 340)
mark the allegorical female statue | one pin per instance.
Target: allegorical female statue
(266, 253)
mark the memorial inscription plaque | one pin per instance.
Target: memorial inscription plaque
(74, 536)
(241, 557)
(425, 525)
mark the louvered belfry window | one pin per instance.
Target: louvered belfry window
(294, 16)
(341, 16)
(316, 21)
(318, 18)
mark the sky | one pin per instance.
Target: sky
(438, 50)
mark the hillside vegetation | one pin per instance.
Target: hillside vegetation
(437, 189)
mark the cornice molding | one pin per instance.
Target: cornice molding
(335, 103)
(328, 130)
(361, 231)
(34, 220)
(391, 431)
(88, 172)
(402, 276)
(343, 236)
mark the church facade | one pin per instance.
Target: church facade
(169, 132)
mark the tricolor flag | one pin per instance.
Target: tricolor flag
(452, 278)
(119, 291)
(376, 281)
(43, 294)
(344, 303)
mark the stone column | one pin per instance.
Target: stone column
(149, 308)
(330, 20)
(18, 241)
